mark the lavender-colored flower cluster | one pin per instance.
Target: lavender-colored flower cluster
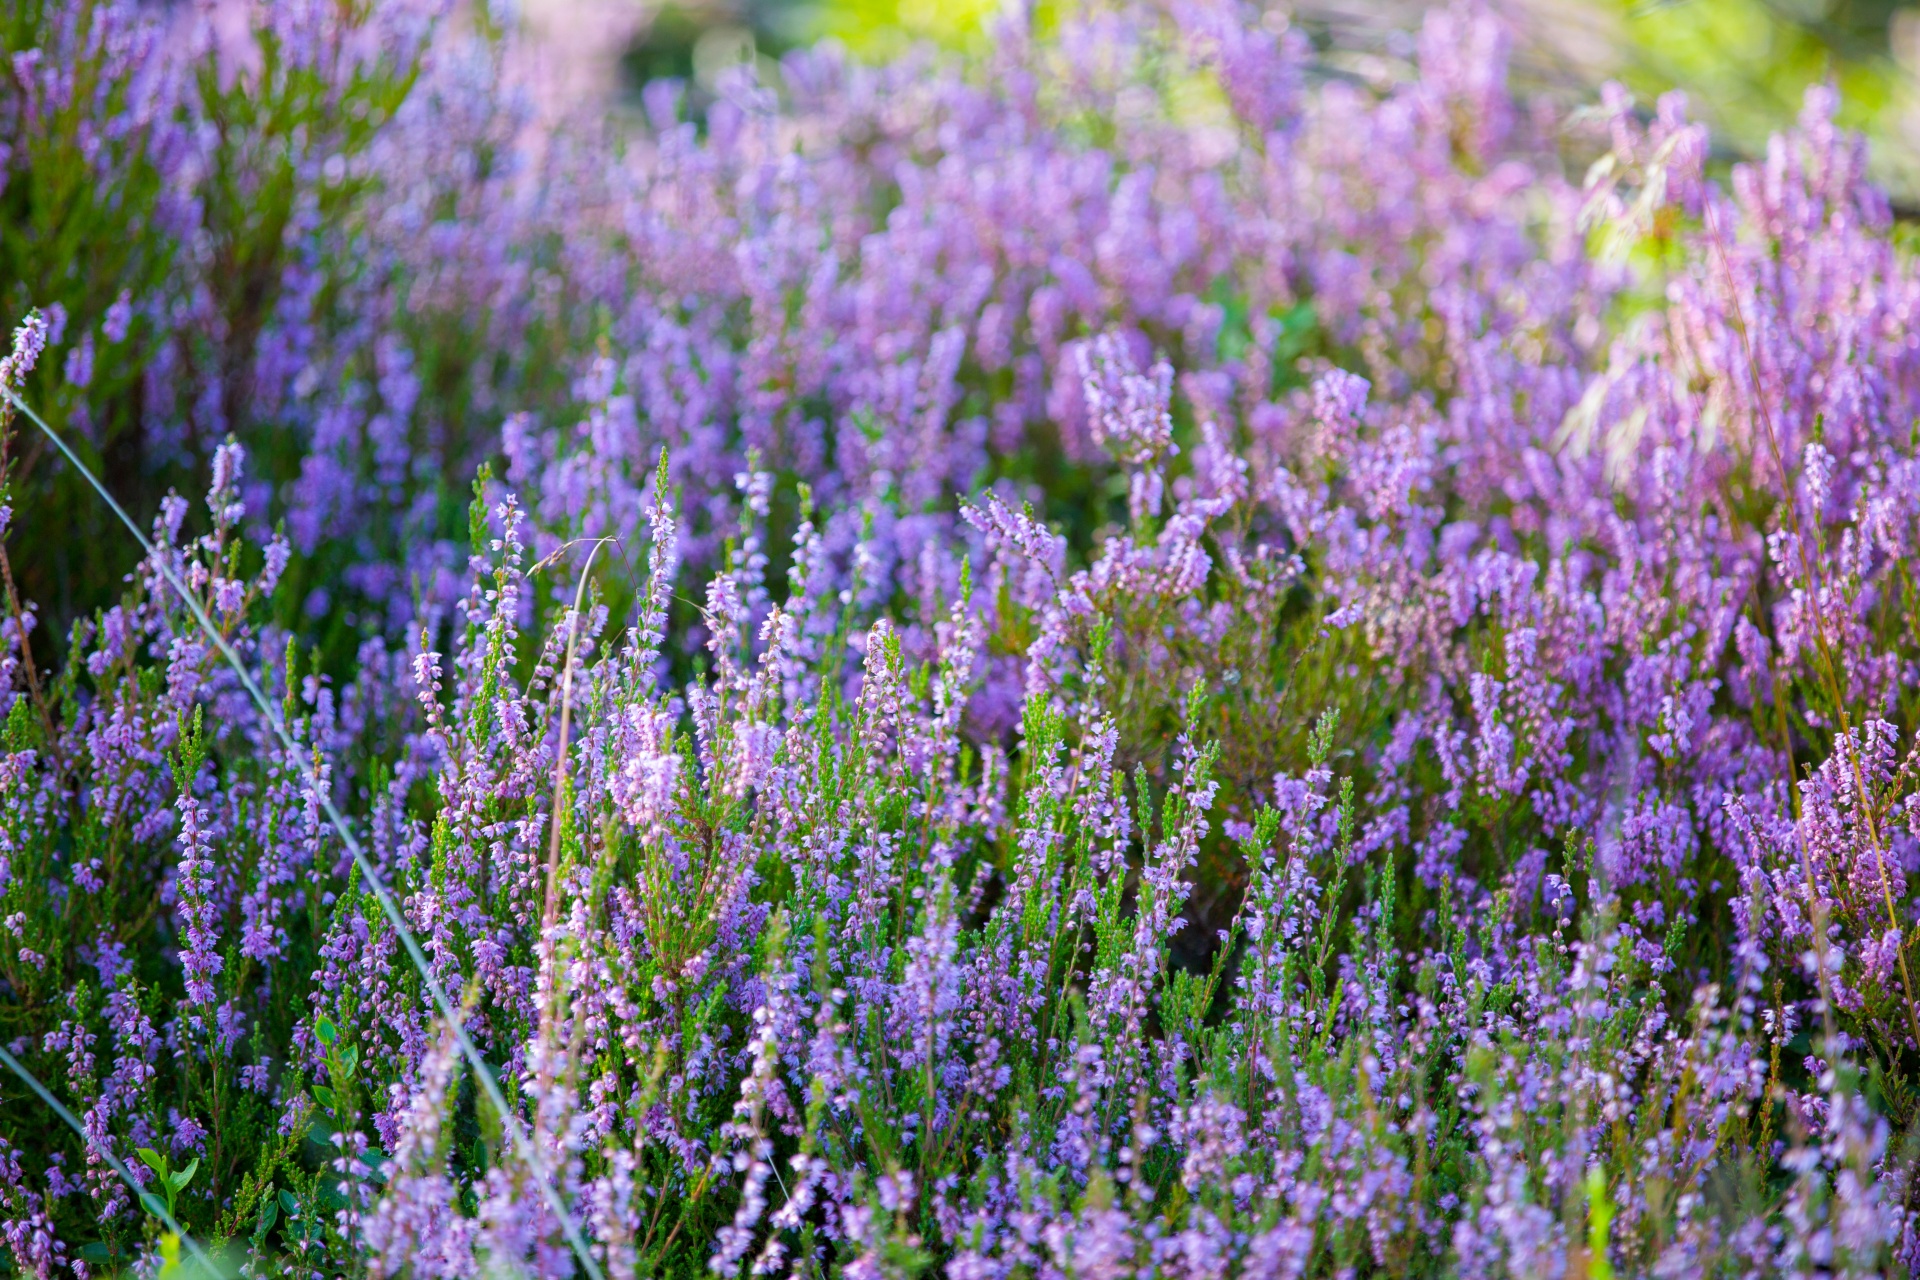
(1122, 655)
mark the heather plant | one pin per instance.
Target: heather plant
(94, 211)
(1108, 658)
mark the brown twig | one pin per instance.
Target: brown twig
(550, 912)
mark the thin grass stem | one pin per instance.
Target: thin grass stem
(390, 908)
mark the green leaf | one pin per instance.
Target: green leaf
(289, 1203)
(327, 1032)
(178, 1181)
(153, 1160)
(325, 1096)
(170, 1256)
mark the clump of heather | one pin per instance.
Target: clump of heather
(1115, 657)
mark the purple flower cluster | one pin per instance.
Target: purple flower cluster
(1118, 657)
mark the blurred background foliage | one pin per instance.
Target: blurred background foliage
(262, 203)
(1745, 64)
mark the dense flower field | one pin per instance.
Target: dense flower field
(1149, 651)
